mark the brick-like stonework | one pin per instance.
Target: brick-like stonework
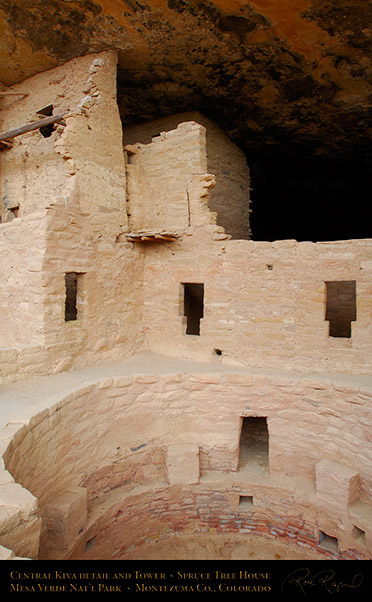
(222, 158)
(133, 433)
(92, 437)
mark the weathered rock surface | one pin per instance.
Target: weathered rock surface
(271, 73)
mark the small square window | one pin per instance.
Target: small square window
(245, 502)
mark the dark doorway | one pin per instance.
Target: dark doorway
(193, 306)
(71, 284)
(340, 307)
(254, 443)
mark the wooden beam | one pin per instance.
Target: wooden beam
(32, 126)
(162, 237)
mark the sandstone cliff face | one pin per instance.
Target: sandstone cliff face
(271, 73)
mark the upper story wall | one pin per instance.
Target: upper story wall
(69, 188)
(230, 198)
(159, 176)
(80, 161)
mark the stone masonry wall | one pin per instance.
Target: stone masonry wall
(144, 522)
(82, 161)
(159, 175)
(89, 439)
(264, 303)
(230, 198)
(22, 248)
(71, 192)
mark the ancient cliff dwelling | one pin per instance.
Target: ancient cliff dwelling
(186, 279)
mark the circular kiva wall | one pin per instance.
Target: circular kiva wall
(196, 466)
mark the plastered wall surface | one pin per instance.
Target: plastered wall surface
(22, 243)
(73, 454)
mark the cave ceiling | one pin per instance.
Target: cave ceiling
(278, 75)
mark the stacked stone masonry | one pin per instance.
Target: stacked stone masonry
(79, 479)
(133, 481)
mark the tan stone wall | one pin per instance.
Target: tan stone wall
(89, 438)
(264, 310)
(22, 248)
(230, 198)
(83, 161)
(71, 193)
(264, 303)
(159, 178)
(109, 296)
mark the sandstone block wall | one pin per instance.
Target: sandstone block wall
(230, 198)
(82, 160)
(266, 310)
(264, 303)
(159, 175)
(70, 188)
(22, 248)
(181, 471)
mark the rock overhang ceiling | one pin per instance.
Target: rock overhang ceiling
(278, 75)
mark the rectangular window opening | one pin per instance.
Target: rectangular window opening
(340, 307)
(72, 287)
(254, 443)
(130, 157)
(245, 502)
(328, 543)
(193, 306)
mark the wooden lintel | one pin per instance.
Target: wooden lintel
(150, 237)
(10, 134)
(163, 237)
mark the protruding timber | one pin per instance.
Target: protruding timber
(10, 134)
